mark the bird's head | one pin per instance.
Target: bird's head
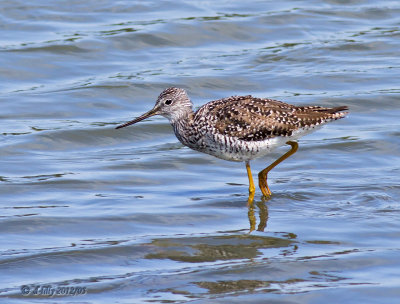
(173, 104)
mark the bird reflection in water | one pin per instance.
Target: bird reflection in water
(263, 214)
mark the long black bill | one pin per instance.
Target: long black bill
(140, 118)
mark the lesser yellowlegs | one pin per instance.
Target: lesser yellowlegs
(240, 128)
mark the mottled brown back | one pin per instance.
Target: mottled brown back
(255, 119)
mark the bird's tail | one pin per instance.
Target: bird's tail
(334, 110)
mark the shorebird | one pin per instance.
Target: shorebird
(240, 128)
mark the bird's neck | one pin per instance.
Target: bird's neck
(184, 128)
(182, 117)
(183, 121)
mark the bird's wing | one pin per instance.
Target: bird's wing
(256, 119)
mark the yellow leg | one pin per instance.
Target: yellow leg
(252, 188)
(263, 175)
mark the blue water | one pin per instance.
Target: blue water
(90, 214)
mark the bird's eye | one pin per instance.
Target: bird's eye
(168, 101)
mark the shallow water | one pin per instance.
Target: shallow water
(132, 216)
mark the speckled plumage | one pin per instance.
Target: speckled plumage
(238, 128)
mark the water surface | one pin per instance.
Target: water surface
(132, 216)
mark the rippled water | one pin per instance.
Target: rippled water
(129, 216)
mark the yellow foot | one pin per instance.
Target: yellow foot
(263, 175)
(262, 183)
